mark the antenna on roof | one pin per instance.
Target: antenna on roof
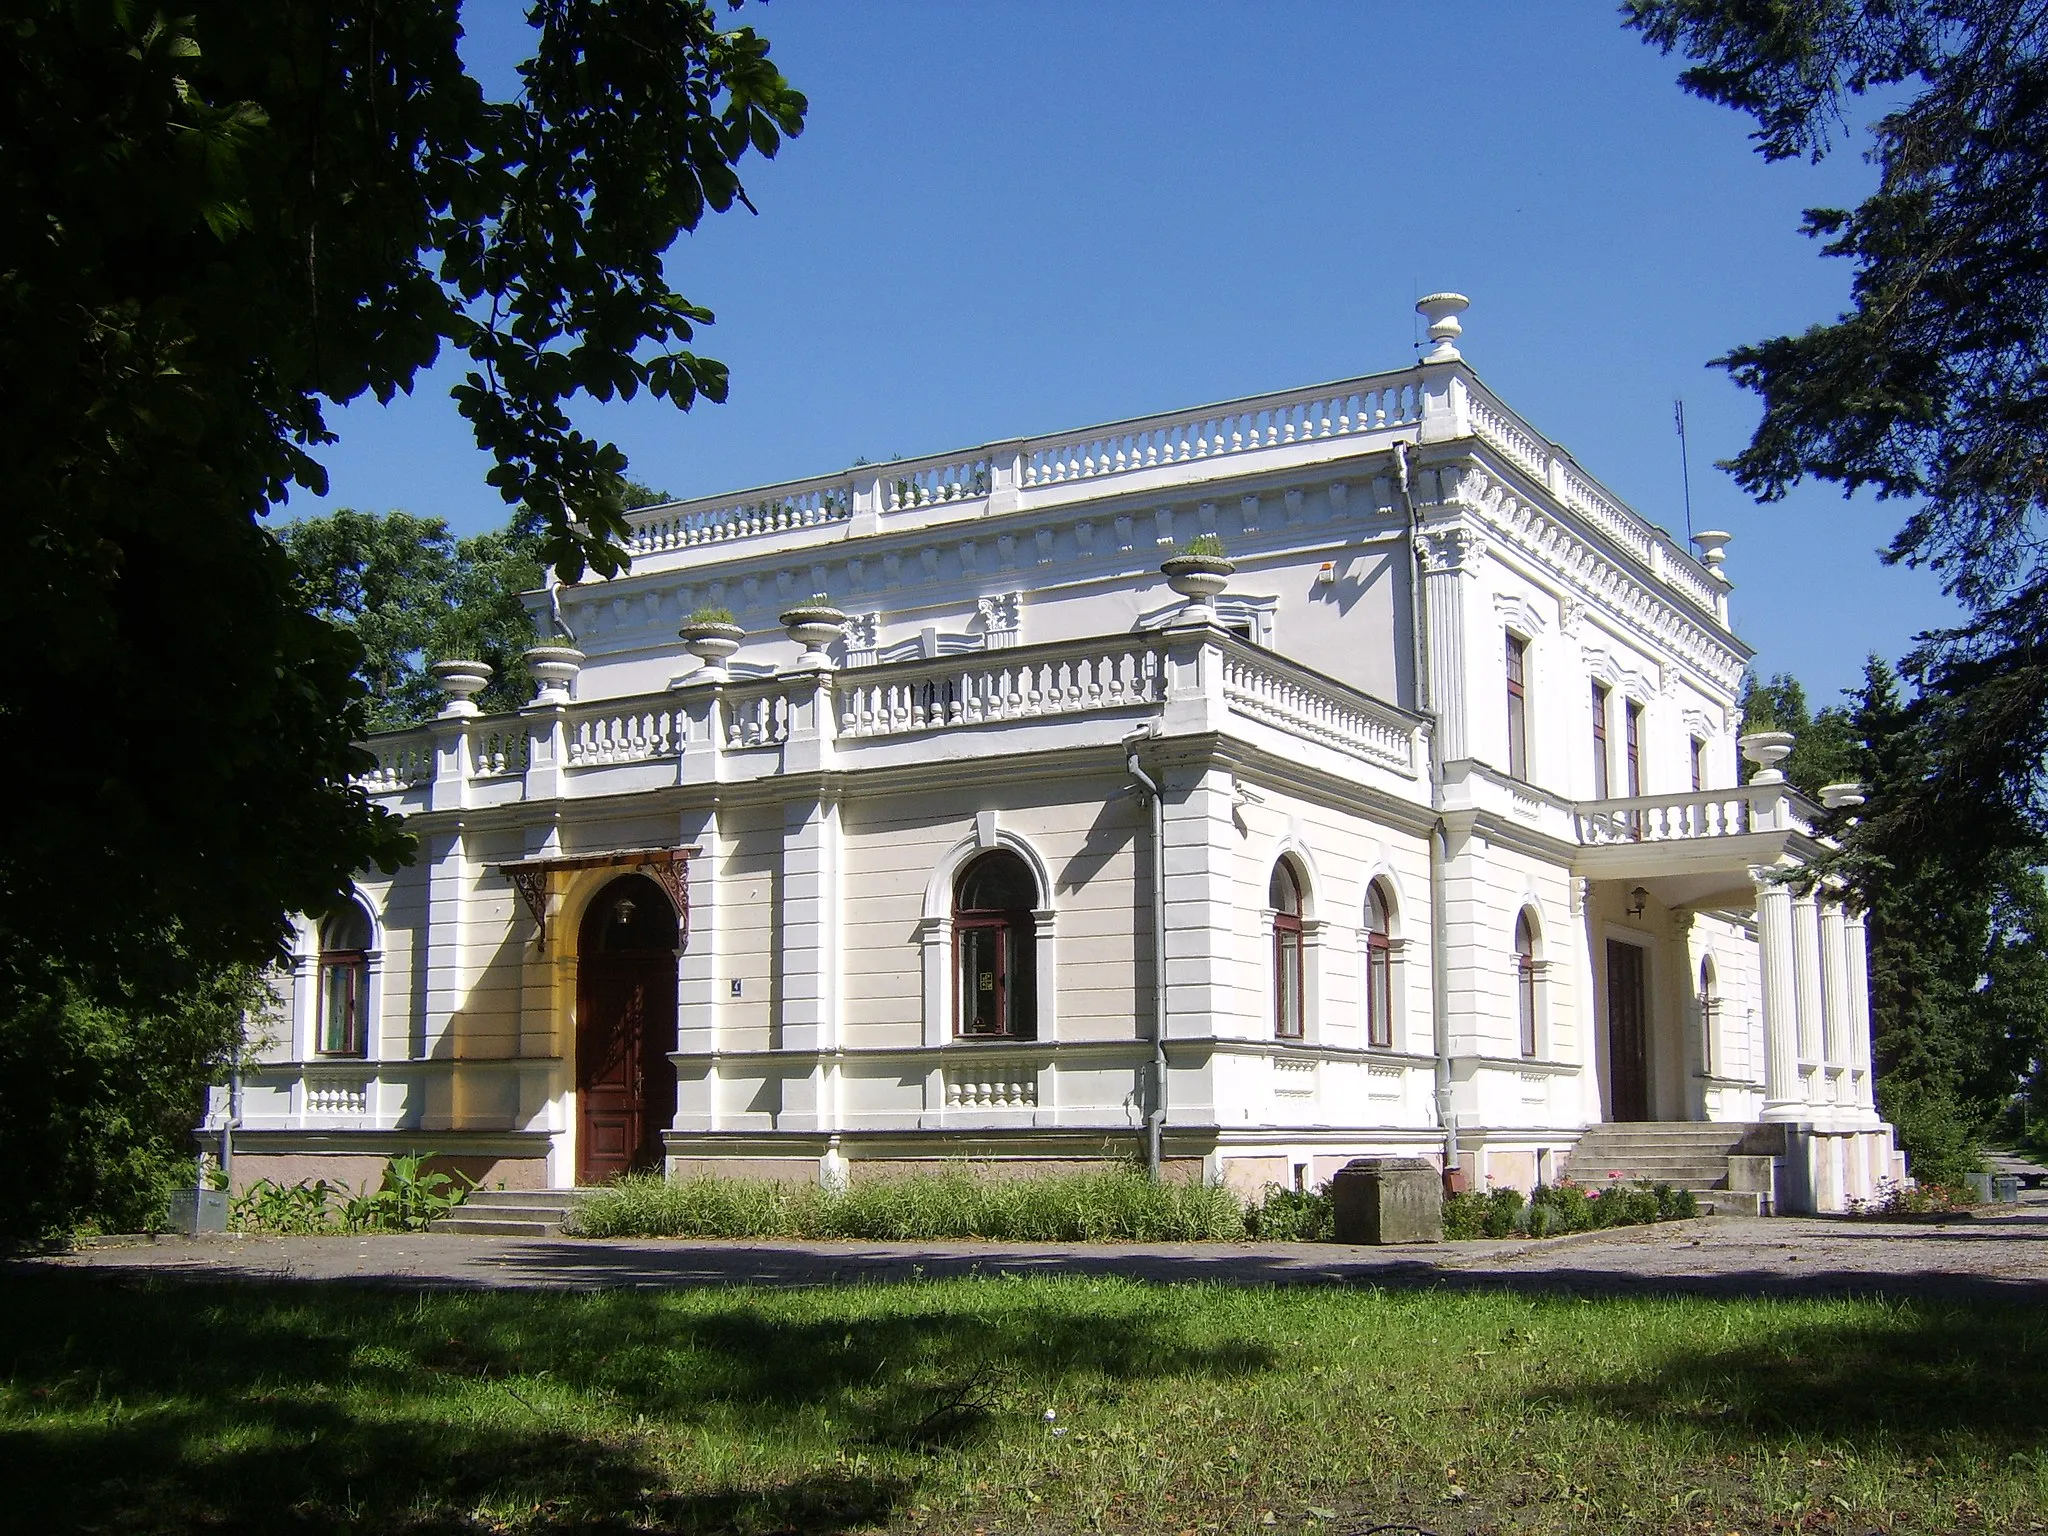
(1684, 463)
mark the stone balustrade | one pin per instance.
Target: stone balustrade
(1355, 416)
(1693, 814)
(552, 750)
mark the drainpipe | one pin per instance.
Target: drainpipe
(1155, 1114)
(1439, 835)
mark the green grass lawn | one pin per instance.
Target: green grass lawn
(1009, 1405)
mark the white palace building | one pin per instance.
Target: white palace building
(1429, 795)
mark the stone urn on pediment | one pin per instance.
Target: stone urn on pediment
(1765, 750)
(814, 625)
(1199, 573)
(460, 682)
(553, 668)
(711, 636)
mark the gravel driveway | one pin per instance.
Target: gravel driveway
(1964, 1258)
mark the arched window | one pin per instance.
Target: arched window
(1708, 1008)
(994, 949)
(344, 981)
(1289, 1004)
(1379, 969)
(1525, 982)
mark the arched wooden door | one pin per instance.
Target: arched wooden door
(625, 1029)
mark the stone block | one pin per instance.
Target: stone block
(1751, 1175)
(1388, 1200)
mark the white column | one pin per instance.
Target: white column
(1835, 1027)
(1856, 937)
(1783, 1096)
(1806, 980)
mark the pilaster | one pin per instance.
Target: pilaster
(1450, 555)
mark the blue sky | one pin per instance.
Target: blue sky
(1009, 218)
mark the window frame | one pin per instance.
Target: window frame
(1632, 741)
(1699, 763)
(1290, 943)
(1517, 667)
(1526, 1009)
(1379, 969)
(1603, 776)
(345, 967)
(1015, 957)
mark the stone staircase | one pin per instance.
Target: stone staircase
(511, 1213)
(1730, 1168)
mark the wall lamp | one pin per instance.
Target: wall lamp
(1637, 900)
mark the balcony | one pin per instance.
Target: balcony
(1188, 681)
(1696, 848)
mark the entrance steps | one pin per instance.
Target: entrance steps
(1727, 1166)
(511, 1213)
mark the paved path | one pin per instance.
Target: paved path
(1989, 1257)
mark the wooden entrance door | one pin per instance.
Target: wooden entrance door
(625, 1030)
(1628, 1032)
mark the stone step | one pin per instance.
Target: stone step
(492, 1226)
(511, 1213)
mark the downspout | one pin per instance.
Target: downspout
(1439, 835)
(1155, 1113)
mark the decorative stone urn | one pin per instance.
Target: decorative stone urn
(461, 682)
(814, 625)
(1766, 749)
(1713, 545)
(554, 668)
(1441, 310)
(711, 641)
(1844, 796)
(1199, 578)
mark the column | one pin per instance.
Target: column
(1834, 958)
(1855, 933)
(1783, 1097)
(1806, 981)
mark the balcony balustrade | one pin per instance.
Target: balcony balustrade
(739, 727)
(1264, 432)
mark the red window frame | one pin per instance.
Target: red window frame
(1013, 981)
(1518, 706)
(1632, 727)
(1290, 1003)
(349, 969)
(1379, 972)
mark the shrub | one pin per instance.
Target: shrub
(1554, 1209)
(1464, 1216)
(1293, 1215)
(1121, 1205)
(1207, 545)
(407, 1198)
(711, 615)
(101, 1093)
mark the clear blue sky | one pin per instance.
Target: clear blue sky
(1005, 219)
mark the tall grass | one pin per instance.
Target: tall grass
(1119, 1205)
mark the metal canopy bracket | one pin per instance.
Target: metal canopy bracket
(666, 867)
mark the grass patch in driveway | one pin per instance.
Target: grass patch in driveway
(171, 1406)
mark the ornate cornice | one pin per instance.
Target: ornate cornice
(1537, 531)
